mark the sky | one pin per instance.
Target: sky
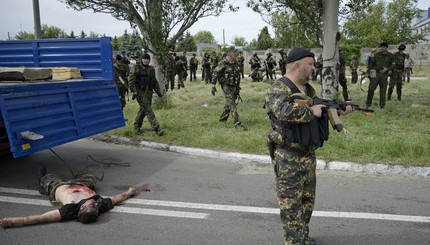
(17, 15)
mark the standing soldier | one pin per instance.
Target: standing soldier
(297, 130)
(142, 84)
(170, 71)
(342, 75)
(409, 63)
(241, 62)
(255, 64)
(120, 77)
(207, 70)
(193, 67)
(214, 61)
(318, 68)
(353, 66)
(227, 74)
(181, 69)
(380, 66)
(270, 66)
(282, 61)
(185, 62)
(397, 73)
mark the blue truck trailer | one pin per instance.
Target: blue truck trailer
(40, 114)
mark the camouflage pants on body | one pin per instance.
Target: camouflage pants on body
(170, 80)
(145, 103)
(295, 190)
(230, 93)
(50, 182)
(396, 80)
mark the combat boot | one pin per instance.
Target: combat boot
(158, 131)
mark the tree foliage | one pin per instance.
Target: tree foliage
(187, 43)
(239, 41)
(46, 32)
(161, 22)
(305, 14)
(390, 22)
(264, 40)
(204, 37)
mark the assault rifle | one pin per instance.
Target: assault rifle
(332, 106)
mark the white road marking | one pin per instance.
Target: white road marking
(204, 206)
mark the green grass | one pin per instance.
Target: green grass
(398, 135)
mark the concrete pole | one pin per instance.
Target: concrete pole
(330, 81)
(36, 15)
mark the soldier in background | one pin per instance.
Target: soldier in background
(293, 157)
(397, 73)
(353, 66)
(318, 68)
(193, 67)
(185, 62)
(170, 71)
(227, 74)
(342, 75)
(241, 62)
(270, 66)
(143, 84)
(255, 63)
(380, 66)
(181, 69)
(207, 68)
(409, 63)
(282, 61)
(120, 77)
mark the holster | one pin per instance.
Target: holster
(271, 145)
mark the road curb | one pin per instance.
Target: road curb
(321, 164)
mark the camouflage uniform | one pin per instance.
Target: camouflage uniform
(318, 68)
(185, 63)
(193, 67)
(377, 63)
(120, 71)
(143, 83)
(241, 62)
(294, 163)
(49, 183)
(170, 71)
(397, 74)
(353, 67)
(342, 76)
(227, 74)
(181, 70)
(270, 66)
(207, 68)
(282, 61)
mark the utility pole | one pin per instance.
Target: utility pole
(330, 77)
(36, 16)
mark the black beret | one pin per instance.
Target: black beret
(296, 54)
(383, 44)
(145, 56)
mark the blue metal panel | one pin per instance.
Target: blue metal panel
(93, 56)
(59, 111)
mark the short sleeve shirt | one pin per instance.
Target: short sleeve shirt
(70, 211)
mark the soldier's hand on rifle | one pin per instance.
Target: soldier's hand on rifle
(317, 110)
(213, 90)
(348, 109)
(134, 96)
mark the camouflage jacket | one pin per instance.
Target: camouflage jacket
(399, 61)
(227, 73)
(120, 74)
(380, 60)
(142, 79)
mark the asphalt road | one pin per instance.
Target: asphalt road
(194, 200)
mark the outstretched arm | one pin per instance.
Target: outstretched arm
(50, 216)
(123, 196)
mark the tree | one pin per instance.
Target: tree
(83, 34)
(72, 34)
(187, 43)
(46, 31)
(204, 37)
(390, 22)
(135, 46)
(156, 19)
(289, 32)
(115, 44)
(239, 41)
(264, 40)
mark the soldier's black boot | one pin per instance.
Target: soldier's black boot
(41, 172)
(158, 131)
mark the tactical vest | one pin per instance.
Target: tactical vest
(231, 74)
(144, 77)
(311, 134)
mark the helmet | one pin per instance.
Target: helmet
(254, 54)
(402, 46)
(354, 56)
(281, 50)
